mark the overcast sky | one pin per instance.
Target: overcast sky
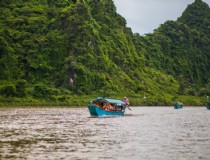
(143, 16)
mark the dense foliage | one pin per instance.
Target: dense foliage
(182, 49)
(56, 51)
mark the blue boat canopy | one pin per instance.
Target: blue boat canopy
(115, 101)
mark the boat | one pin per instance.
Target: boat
(101, 107)
(178, 105)
(208, 105)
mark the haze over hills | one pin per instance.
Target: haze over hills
(55, 49)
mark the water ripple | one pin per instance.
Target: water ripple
(153, 133)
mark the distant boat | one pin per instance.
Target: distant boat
(208, 105)
(106, 107)
(178, 105)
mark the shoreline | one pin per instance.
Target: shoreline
(74, 106)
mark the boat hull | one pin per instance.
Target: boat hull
(96, 111)
(208, 106)
(178, 106)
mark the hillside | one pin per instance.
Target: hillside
(53, 51)
(182, 49)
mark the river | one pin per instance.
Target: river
(145, 133)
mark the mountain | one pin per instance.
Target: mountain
(197, 16)
(181, 48)
(54, 50)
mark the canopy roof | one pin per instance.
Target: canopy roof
(116, 101)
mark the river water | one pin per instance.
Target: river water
(145, 133)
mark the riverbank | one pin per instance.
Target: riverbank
(78, 101)
(74, 101)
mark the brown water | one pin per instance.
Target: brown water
(145, 133)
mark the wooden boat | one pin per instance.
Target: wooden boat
(106, 107)
(208, 105)
(178, 105)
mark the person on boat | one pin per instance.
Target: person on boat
(180, 103)
(111, 107)
(106, 106)
(126, 101)
(101, 104)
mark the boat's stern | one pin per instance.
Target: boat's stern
(208, 105)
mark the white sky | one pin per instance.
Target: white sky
(143, 16)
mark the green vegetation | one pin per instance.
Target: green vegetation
(68, 52)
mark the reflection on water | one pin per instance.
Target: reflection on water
(153, 133)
